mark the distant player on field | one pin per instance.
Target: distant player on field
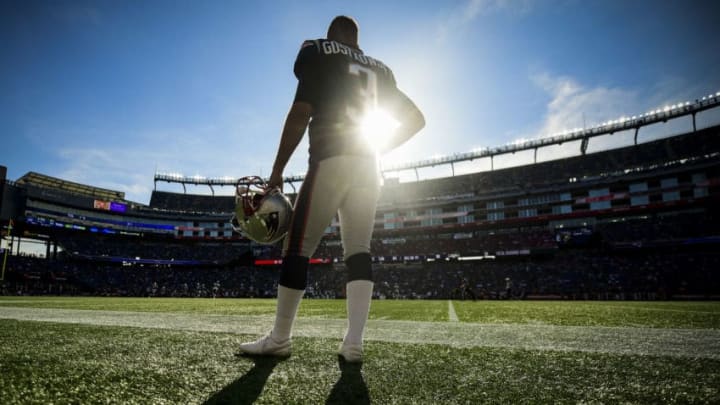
(338, 88)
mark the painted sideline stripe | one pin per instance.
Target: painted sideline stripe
(452, 315)
(701, 343)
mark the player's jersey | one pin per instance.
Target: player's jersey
(342, 84)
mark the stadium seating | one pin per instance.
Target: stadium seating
(568, 274)
(191, 202)
(653, 235)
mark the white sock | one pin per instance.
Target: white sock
(359, 295)
(288, 301)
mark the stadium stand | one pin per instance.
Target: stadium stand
(637, 222)
(189, 202)
(590, 274)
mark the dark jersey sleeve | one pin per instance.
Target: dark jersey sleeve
(388, 92)
(306, 73)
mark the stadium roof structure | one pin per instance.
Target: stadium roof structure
(210, 182)
(44, 181)
(578, 134)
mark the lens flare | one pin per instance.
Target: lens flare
(378, 127)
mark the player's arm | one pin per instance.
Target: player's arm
(409, 116)
(300, 112)
(296, 122)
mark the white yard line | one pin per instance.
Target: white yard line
(691, 343)
(452, 315)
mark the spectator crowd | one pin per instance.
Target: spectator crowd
(672, 256)
(567, 274)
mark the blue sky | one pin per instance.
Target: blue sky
(109, 92)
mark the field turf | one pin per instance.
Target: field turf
(168, 351)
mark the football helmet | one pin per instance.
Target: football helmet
(262, 214)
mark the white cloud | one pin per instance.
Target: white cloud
(130, 168)
(460, 17)
(232, 144)
(573, 105)
(120, 170)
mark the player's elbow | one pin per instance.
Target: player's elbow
(416, 121)
(412, 118)
(420, 120)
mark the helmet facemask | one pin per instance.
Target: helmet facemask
(262, 214)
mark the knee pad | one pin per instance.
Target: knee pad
(359, 267)
(294, 272)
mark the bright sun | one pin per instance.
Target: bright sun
(377, 127)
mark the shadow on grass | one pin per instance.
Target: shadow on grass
(247, 389)
(351, 387)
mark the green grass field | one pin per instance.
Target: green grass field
(121, 350)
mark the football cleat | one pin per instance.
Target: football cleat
(267, 346)
(351, 353)
(262, 214)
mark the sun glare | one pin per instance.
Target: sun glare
(377, 127)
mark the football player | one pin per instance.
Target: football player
(338, 88)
